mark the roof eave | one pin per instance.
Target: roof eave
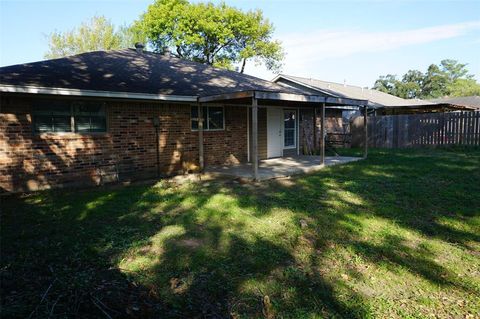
(281, 96)
(94, 93)
(264, 95)
(438, 105)
(280, 76)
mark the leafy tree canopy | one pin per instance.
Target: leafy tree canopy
(98, 33)
(218, 35)
(449, 78)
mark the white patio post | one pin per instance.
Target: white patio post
(322, 135)
(200, 137)
(365, 128)
(255, 137)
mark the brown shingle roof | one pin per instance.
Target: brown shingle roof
(129, 71)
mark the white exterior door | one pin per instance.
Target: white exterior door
(274, 132)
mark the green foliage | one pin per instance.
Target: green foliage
(413, 81)
(449, 78)
(386, 83)
(217, 35)
(96, 34)
(393, 236)
(464, 87)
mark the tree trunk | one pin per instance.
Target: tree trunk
(179, 52)
(243, 65)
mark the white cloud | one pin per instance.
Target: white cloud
(304, 50)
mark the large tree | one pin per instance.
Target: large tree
(449, 78)
(98, 33)
(218, 35)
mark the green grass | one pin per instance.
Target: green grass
(396, 235)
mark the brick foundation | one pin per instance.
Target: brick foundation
(127, 151)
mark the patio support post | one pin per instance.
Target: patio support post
(255, 138)
(322, 135)
(315, 129)
(201, 160)
(365, 128)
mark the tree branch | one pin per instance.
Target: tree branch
(243, 65)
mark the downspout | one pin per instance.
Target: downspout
(248, 134)
(156, 124)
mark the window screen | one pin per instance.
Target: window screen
(194, 117)
(215, 118)
(52, 117)
(289, 128)
(212, 118)
(65, 116)
(89, 117)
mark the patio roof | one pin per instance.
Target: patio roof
(279, 98)
(422, 108)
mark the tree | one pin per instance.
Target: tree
(411, 85)
(435, 82)
(387, 83)
(217, 35)
(449, 78)
(96, 34)
(454, 70)
(464, 87)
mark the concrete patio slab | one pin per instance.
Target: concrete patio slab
(279, 167)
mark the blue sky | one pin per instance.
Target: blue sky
(352, 41)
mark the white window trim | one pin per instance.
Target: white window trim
(205, 125)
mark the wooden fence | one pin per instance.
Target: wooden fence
(417, 130)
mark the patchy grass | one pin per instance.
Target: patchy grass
(396, 235)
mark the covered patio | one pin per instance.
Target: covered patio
(286, 164)
(279, 167)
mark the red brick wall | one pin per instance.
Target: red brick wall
(127, 151)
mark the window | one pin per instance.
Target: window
(89, 117)
(289, 129)
(213, 118)
(52, 117)
(64, 116)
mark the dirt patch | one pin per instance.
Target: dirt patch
(190, 243)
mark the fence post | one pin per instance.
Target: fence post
(365, 124)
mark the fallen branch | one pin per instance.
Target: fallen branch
(101, 309)
(53, 307)
(102, 304)
(43, 298)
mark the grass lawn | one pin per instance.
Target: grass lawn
(396, 235)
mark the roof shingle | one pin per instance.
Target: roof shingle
(129, 71)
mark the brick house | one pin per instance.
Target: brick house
(108, 116)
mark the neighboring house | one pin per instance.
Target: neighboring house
(466, 101)
(106, 116)
(379, 103)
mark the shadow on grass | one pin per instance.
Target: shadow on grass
(63, 252)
